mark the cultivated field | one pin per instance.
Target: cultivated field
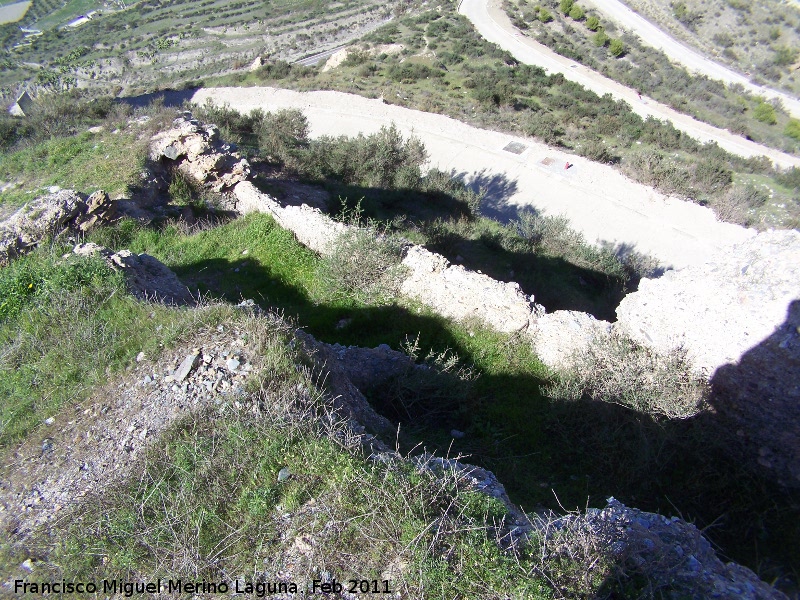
(155, 43)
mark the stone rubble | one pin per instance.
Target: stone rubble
(198, 152)
(99, 440)
(52, 215)
(672, 554)
(147, 278)
(738, 317)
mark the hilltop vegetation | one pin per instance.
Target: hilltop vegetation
(444, 66)
(536, 438)
(759, 39)
(154, 43)
(594, 41)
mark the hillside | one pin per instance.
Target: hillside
(422, 320)
(245, 451)
(759, 39)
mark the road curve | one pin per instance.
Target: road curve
(494, 25)
(686, 55)
(598, 200)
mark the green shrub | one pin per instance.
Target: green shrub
(793, 129)
(576, 13)
(600, 38)
(544, 15)
(616, 48)
(282, 135)
(355, 57)
(765, 113)
(565, 6)
(785, 56)
(593, 23)
(383, 160)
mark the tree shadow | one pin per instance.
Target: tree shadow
(495, 189)
(170, 98)
(445, 222)
(759, 398)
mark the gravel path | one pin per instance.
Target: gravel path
(599, 201)
(494, 25)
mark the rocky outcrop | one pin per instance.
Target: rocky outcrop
(738, 317)
(721, 309)
(557, 336)
(197, 151)
(460, 294)
(146, 277)
(52, 215)
(670, 554)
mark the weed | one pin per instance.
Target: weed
(618, 370)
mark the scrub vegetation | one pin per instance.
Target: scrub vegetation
(624, 57)
(555, 442)
(446, 67)
(759, 39)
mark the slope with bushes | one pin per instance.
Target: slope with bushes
(533, 442)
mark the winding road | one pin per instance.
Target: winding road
(518, 173)
(494, 25)
(686, 55)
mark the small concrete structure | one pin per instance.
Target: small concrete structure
(22, 107)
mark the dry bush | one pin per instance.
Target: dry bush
(364, 265)
(740, 205)
(432, 388)
(618, 370)
(574, 553)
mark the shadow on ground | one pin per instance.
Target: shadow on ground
(557, 454)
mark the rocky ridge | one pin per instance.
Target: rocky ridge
(198, 152)
(213, 373)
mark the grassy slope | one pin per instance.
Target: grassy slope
(532, 444)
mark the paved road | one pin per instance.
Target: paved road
(598, 200)
(686, 55)
(319, 57)
(494, 25)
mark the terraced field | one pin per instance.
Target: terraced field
(168, 43)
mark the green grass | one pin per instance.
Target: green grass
(85, 162)
(546, 453)
(65, 325)
(208, 505)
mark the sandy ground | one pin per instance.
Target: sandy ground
(493, 24)
(683, 54)
(598, 200)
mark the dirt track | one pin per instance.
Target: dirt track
(598, 200)
(493, 24)
(683, 54)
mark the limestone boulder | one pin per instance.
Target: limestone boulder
(196, 150)
(146, 277)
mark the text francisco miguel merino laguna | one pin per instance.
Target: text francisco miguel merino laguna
(178, 586)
